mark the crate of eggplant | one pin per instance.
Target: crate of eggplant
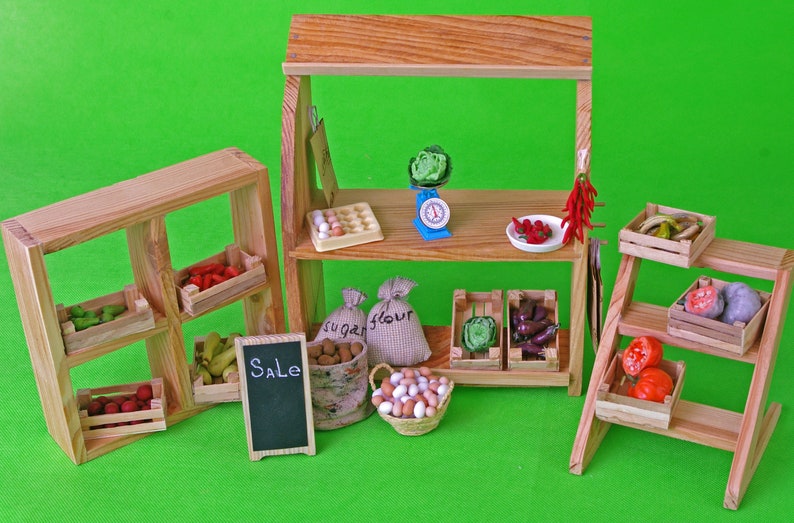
(533, 330)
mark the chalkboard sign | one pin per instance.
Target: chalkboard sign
(275, 394)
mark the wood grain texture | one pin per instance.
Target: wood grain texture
(484, 46)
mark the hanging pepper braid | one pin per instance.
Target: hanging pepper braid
(578, 208)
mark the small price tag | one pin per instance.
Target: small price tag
(322, 157)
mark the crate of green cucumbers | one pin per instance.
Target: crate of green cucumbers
(104, 319)
(215, 375)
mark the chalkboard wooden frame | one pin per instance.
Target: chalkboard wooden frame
(276, 394)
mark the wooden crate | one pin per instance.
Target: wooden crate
(252, 275)
(735, 338)
(614, 406)
(680, 253)
(487, 304)
(217, 392)
(151, 420)
(138, 317)
(548, 299)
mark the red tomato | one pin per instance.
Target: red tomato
(642, 352)
(654, 385)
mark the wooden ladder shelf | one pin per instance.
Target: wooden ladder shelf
(744, 434)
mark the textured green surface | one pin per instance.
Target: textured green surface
(691, 109)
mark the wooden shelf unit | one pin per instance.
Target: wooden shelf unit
(139, 207)
(744, 434)
(462, 46)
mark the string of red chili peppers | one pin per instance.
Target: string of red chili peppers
(579, 208)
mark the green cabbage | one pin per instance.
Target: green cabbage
(430, 168)
(479, 333)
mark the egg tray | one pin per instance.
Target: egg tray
(357, 221)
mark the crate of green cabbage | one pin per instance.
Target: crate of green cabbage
(725, 315)
(476, 341)
(533, 330)
(104, 319)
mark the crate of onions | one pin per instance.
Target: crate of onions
(412, 401)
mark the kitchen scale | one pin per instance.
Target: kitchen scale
(432, 214)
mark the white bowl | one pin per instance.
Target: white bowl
(552, 244)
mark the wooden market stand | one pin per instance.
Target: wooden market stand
(744, 434)
(139, 207)
(451, 46)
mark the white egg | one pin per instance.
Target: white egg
(413, 390)
(316, 213)
(377, 392)
(442, 389)
(419, 410)
(422, 386)
(400, 391)
(323, 235)
(395, 378)
(386, 407)
(318, 220)
(324, 227)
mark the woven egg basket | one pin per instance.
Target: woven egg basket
(412, 426)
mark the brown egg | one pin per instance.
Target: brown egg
(408, 408)
(387, 388)
(377, 400)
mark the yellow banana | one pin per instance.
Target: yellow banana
(212, 343)
(202, 371)
(221, 361)
(232, 367)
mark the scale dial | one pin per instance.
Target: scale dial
(434, 213)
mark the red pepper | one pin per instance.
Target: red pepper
(218, 278)
(218, 268)
(206, 282)
(231, 271)
(201, 270)
(654, 385)
(642, 352)
(195, 280)
(578, 208)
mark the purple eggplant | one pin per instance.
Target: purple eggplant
(530, 351)
(539, 313)
(545, 336)
(526, 310)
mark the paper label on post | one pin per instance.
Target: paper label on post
(322, 157)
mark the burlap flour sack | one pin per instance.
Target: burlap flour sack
(394, 333)
(347, 321)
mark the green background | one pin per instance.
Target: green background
(691, 109)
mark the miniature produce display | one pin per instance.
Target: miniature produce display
(676, 226)
(479, 332)
(641, 361)
(209, 275)
(329, 352)
(141, 399)
(736, 302)
(532, 328)
(578, 208)
(217, 360)
(431, 167)
(83, 319)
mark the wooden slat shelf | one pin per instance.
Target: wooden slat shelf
(747, 259)
(645, 319)
(478, 226)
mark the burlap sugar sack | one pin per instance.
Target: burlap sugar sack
(394, 333)
(348, 321)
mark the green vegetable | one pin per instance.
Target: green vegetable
(106, 317)
(479, 333)
(430, 168)
(77, 312)
(114, 310)
(84, 323)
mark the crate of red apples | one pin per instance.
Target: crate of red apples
(224, 276)
(119, 410)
